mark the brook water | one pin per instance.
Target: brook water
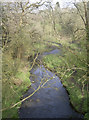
(51, 101)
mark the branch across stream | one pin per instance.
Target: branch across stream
(51, 100)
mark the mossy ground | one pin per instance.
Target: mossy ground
(13, 90)
(71, 69)
(71, 57)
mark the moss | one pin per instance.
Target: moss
(12, 92)
(60, 64)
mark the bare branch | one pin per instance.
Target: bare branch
(80, 14)
(34, 62)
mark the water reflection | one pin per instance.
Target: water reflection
(51, 101)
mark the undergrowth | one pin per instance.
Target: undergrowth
(13, 89)
(72, 70)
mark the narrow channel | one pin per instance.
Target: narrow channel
(51, 100)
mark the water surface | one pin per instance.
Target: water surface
(51, 101)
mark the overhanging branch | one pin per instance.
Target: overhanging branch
(80, 14)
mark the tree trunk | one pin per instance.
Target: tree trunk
(88, 13)
(88, 56)
(87, 29)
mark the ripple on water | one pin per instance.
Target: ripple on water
(51, 101)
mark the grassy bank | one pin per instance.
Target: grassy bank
(71, 69)
(13, 90)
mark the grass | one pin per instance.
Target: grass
(44, 46)
(13, 90)
(15, 86)
(72, 79)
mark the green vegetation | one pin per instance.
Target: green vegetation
(26, 32)
(13, 90)
(71, 69)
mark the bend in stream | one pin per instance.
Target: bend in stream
(51, 101)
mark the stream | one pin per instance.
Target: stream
(50, 101)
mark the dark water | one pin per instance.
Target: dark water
(51, 101)
(56, 51)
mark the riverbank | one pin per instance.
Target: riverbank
(50, 100)
(69, 73)
(14, 89)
